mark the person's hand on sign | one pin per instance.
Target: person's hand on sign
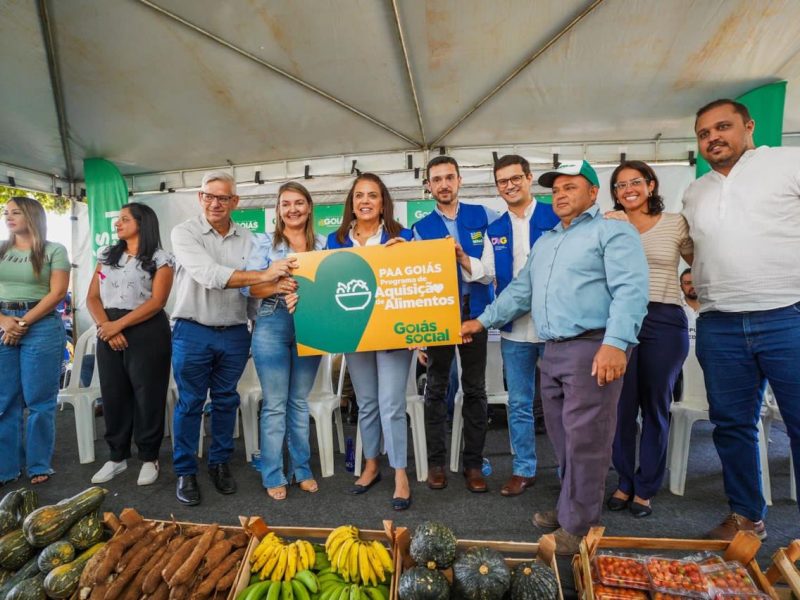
(463, 258)
(291, 301)
(422, 357)
(394, 241)
(279, 268)
(609, 364)
(286, 285)
(470, 328)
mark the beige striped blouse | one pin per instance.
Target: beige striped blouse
(664, 244)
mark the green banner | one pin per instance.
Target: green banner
(252, 219)
(327, 218)
(544, 198)
(416, 209)
(106, 192)
(765, 104)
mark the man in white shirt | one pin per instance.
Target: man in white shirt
(505, 251)
(691, 305)
(744, 218)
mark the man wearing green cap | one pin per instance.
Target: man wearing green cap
(586, 284)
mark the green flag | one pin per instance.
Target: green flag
(765, 104)
(106, 192)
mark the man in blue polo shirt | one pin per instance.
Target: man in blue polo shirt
(586, 282)
(506, 248)
(466, 224)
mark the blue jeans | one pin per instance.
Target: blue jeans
(30, 373)
(737, 352)
(379, 379)
(203, 359)
(286, 380)
(519, 365)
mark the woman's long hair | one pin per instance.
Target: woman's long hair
(36, 221)
(280, 225)
(149, 239)
(391, 226)
(655, 203)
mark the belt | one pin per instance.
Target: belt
(18, 305)
(586, 335)
(214, 327)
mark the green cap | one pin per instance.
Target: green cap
(579, 168)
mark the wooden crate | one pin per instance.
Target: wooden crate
(513, 552)
(743, 548)
(258, 529)
(784, 570)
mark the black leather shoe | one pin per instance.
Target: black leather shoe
(401, 503)
(617, 504)
(640, 510)
(362, 489)
(222, 478)
(187, 491)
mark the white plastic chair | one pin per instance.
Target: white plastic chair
(495, 394)
(693, 407)
(82, 398)
(323, 405)
(250, 395)
(415, 409)
(773, 413)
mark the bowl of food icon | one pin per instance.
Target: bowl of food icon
(353, 295)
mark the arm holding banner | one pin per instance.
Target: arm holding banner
(482, 271)
(513, 302)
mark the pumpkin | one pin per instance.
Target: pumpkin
(421, 583)
(533, 581)
(62, 581)
(86, 532)
(15, 550)
(28, 589)
(433, 545)
(56, 554)
(480, 574)
(8, 512)
(30, 502)
(47, 524)
(27, 571)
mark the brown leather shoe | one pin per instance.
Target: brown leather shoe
(516, 485)
(735, 523)
(547, 519)
(475, 481)
(567, 544)
(437, 477)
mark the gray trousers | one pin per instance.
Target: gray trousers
(581, 419)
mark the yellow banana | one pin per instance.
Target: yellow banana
(335, 541)
(265, 543)
(352, 565)
(291, 563)
(341, 556)
(342, 531)
(264, 558)
(383, 556)
(280, 567)
(302, 559)
(269, 566)
(375, 563)
(311, 555)
(364, 567)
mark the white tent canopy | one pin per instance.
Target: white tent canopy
(169, 87)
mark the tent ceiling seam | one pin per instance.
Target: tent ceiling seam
(407, 62)
(55, 84)
(521, 67)
(279, 71)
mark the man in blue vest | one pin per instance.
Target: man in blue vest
(466, 224)
(506, 248)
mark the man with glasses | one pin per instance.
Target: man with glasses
(210, 340)
(744, 218)
(505, 251)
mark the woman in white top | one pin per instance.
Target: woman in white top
(126, 299)
(656, 362)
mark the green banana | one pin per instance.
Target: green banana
(331, 592)
(384, 590)
(355, 592)
(299, 590)
(373, 593)
(254, 591)
(286, 590)
(274, 591)
(308, 579)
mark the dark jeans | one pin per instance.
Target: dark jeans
(473, 383)
(737, 352)
(647, 387)
(206, 359)
(134, 383)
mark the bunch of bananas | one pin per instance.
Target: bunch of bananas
(333, 587)
(276, 560)
(357, 560)
(301, 587)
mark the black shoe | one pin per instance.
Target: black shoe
(187, 491)
(641, 510)
(222, 478)
(362, 489)
(401, 503)
(617, 504)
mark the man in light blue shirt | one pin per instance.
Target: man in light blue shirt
(586, 284)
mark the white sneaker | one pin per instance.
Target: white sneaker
(109, 470)
(148, 474)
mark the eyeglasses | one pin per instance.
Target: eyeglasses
(624, 185)
(209, 198)
(515, 181)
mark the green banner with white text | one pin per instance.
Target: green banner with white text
(252, 219)
(327, 218)
(106, 192)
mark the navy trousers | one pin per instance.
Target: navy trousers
(648, 384)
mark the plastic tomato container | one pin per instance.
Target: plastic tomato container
(673, 576)
(729, 577)
(623, 571)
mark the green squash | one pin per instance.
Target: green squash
(533, 581)
(421, 583)
(30, 502)
(28, 570)
(5, 575)
(29, 589)
(62, 581)
(480, 574)
(47, 524)
(8, 512)
(15, 550)
(433, 545)
(86, 532)
(56, 554)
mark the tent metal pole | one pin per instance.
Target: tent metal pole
(411, 84)
(55, 83)
(517, 71)
(280, 71)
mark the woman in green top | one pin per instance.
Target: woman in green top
(34, 275)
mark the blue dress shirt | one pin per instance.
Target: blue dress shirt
(264, 252)
(591, 275)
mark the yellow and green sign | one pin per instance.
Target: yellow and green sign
(252, 219)
(377, 298)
